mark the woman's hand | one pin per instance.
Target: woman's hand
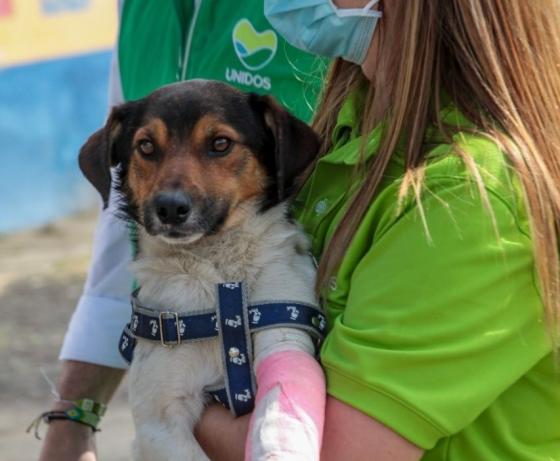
(221, 435)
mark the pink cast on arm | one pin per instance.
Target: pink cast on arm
(287, 423)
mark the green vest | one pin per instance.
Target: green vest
(162, 42)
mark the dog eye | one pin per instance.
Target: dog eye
(146, 147)
(220, 146)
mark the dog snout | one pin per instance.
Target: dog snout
(172, 207)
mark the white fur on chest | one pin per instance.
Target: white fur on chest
(269, 255)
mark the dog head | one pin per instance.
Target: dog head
(192, 154)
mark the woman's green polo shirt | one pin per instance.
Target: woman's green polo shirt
(441, 338)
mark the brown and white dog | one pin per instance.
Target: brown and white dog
(205, 171)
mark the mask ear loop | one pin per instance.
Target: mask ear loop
(366, 11)
(369, 6)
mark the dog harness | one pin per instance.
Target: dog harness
(232, 322)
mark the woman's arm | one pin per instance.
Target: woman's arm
(349, 434)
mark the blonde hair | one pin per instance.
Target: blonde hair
(499, 61)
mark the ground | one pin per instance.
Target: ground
(42, 273)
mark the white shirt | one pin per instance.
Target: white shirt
(104, 307)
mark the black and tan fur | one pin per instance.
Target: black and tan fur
(269, 149)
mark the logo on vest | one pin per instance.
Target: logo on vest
(255, 50)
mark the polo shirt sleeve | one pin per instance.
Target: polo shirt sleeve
(434, 331)
(104, 307)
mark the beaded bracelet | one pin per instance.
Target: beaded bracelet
(84, 411)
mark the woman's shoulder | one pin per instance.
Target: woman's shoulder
(466, 156)
(476, 164)
(468, 174)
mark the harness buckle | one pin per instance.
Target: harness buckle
(164, 316)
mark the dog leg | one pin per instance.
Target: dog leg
(168, 435)
(160, 442)
(287, 423)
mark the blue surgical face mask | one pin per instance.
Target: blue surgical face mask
(319, 27)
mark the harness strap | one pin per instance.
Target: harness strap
(237, 349)
(219, 394)
(127, 343)
(171, 328)
(233, 322)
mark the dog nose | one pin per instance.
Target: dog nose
(172, 207)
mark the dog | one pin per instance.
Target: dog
(205, 171)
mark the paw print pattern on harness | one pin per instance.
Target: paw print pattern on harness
(154, 326)
(233, 323)
(245, 397)
(255, 315)
(231, 286)
(124, 343)
(239, 360)
(294, 312)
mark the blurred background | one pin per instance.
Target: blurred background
(55, 57)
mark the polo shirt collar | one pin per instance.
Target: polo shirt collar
(346, 138)
(347, 141)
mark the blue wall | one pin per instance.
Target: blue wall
(47, 110)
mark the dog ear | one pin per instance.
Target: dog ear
(295, 144)
(97, 155)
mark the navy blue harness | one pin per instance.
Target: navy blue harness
(233, 322)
